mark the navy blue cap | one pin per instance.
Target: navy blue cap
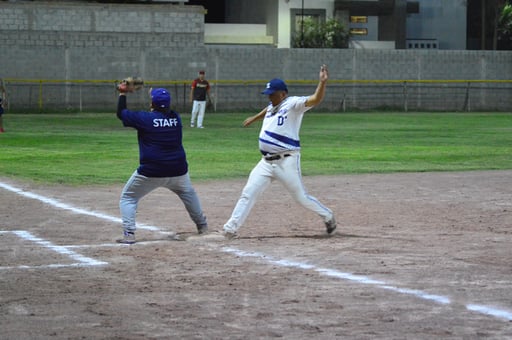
(161, 98)
(275, 85)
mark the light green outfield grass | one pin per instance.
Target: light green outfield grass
(81, 149)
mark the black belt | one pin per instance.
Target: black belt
(276, 157)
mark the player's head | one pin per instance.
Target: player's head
(160, 99)
(202, 74)
(276, 90)
(275, 85)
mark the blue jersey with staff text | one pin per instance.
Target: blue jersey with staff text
(160, 136)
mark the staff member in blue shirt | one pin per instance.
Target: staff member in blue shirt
(162, 158)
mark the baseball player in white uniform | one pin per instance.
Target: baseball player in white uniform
(280, 148)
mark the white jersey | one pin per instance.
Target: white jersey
(281, 125)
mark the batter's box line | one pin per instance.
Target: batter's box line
(57, 204)
(82, 261)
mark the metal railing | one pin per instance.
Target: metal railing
(230, 95)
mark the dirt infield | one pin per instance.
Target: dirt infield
(417, 256)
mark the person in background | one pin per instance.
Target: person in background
(199, 92)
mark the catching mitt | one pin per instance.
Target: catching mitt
(130, 84)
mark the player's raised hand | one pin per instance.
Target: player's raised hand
(324, 73)
(319, 94)
(125, 87)
(130, 84)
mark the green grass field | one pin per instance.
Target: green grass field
(81, 149)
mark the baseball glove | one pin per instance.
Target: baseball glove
(130, 84)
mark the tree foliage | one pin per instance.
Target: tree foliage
(329, 34)
(495, 16)
(504, 27)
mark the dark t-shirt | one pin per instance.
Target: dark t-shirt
(200, 87)
(161, 152)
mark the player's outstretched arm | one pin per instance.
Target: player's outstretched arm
(121, 102)
(254, 118)
(319, 94)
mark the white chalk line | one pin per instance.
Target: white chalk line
(83, 261)
(64, 206)
(444, 300)
(115, 245)
(482, 309)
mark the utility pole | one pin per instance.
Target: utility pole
(302, 26)
(483, 42)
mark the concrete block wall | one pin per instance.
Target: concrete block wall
(59, 40)
(165, 42)
(295, 65)
(92, 17)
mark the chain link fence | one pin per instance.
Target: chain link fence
(341, 95)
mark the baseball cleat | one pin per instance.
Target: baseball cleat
(201, 230)
(222, 235)
(128, 238)
(213, 236)
(229, 235)
(331, 226)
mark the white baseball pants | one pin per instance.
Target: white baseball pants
(287, 171)
(198, 109)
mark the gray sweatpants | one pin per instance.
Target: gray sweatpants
(139, 186)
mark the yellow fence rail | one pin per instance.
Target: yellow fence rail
(342, 94)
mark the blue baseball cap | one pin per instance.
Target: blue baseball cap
(161, 98)
(275, 85)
